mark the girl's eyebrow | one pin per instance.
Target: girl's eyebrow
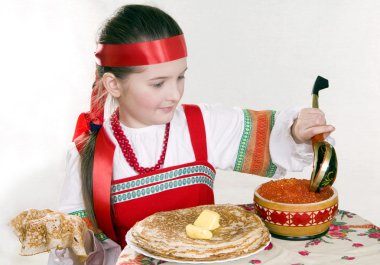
(164, 77)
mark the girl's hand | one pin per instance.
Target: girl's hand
(310, 122)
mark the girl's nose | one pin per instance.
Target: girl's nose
(174, 92)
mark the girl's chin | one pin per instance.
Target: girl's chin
(165, 118)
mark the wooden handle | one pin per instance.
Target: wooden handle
(314, 102)
(317, 138)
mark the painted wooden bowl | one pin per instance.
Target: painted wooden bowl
(296, 221)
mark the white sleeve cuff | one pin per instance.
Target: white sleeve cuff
(286, 154)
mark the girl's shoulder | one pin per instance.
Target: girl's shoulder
(211, 112)
(207, 109)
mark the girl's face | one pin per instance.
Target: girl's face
(151, 96)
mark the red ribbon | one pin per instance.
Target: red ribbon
(82, 130)
(141, 53)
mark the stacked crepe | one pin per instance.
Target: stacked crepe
(42, 230)
(163, 234)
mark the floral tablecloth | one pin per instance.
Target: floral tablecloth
(350, 240)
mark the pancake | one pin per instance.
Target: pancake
(42, 230)
(163, 234)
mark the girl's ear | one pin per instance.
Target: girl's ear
(111, 84)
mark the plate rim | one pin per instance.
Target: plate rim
(148, 254)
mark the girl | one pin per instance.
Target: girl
(155, 155)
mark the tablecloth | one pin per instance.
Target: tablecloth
(350, 240)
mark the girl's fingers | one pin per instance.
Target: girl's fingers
(311, 111)
(325, 129)
(312, 122)
(325, 135)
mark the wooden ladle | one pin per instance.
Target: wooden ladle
(325, 165)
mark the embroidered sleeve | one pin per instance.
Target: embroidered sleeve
(83, 214)
(253, 153)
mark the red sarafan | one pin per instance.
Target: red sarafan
(294, 191)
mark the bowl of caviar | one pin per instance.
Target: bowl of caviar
(291, 211)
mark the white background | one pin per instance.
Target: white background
(253, 54)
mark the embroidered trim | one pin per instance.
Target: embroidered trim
(154, 189)
(162, 177)
(272, 167)
(83, 214)
(296, 219)
(101, 236)
(244, 141)
(253, 153)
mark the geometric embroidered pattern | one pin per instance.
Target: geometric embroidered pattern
(253, 153)
(243, 141)
(296, 219)
(157, 188)
(116, 188)
(83, 214)
(272, 167)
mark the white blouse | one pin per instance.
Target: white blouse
(224, 129)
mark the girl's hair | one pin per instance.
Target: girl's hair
(130, 24)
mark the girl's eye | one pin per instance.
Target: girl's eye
(158, 85)
(181, 77)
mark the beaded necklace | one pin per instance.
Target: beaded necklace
(127, 150)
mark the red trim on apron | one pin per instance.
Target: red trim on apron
(101, 182)
(197, 131)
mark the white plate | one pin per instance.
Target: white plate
(146, 253)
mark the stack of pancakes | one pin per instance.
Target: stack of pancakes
(163, 234)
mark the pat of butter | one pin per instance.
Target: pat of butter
(208, 220)
(196, 232)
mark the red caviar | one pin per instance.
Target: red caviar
(293, 191)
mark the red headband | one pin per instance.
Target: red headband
(141, 53)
